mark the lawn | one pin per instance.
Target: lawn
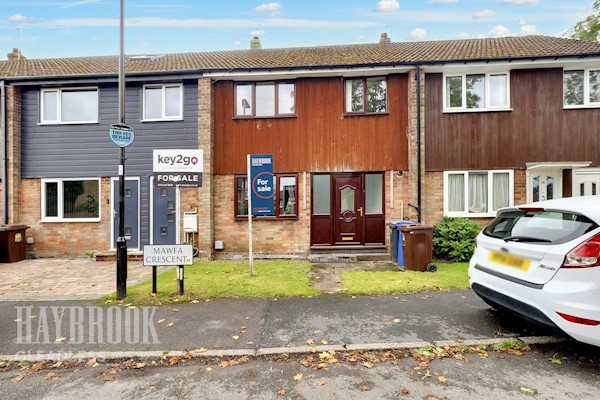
(448, 276)
(211, 279)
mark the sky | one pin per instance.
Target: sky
(72, 28)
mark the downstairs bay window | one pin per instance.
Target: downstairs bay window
(477, 193)
(70, 200)
(285, 201)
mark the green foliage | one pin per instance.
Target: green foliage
(454, 239)
(588, 28)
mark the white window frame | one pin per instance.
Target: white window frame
(490, 193)
(60, 203)
(254, 104)
(463, 107)
(586, 89)
(59, 105)
(163, 88)
(365, 82)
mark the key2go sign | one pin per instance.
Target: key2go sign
(183, 160)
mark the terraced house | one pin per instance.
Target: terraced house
(361, 135)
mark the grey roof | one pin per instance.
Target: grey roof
(521, 47)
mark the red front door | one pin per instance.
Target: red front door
(348, 208)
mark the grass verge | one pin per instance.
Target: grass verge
(211, 279)
(448, 276)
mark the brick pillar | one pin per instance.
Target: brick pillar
(206, 228)
(13, 147)
(412, 141)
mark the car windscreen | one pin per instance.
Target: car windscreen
(539, 226)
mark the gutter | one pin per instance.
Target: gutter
(4, 152)
(419, 185)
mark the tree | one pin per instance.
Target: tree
(588, 28)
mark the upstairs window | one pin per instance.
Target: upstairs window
(163, 102)
(285, 201)
(69, 106)
(366, 96)
(476, 92)
(581, 88)
(265, 99)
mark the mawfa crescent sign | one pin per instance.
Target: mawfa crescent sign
(181, 168)
(167, 255)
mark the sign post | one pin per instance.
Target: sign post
(169, 255)
(261, 193)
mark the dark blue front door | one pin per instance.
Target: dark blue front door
(132, 213)
(164, 225)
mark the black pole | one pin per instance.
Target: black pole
(121, 242)
(154, 279)
(180, 276)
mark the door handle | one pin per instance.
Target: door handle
(360, 210)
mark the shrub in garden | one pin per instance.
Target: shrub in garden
(454, 239)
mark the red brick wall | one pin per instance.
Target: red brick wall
(61, 239)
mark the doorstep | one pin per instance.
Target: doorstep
(134, 255)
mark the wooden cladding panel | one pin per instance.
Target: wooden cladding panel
(320, 138)
(537, 129)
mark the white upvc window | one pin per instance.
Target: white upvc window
(476, 92)
(581, 88)
(162, 102)
(70, 200)
(69, 106)
(477, 193)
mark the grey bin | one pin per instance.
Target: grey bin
(396, 251)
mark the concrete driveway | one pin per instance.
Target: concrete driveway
(64, 279)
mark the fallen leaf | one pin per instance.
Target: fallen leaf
(17, 378)
(194, 302)
(208, 369)
(60, 339)
(367, 364)
(160, 321)
(170, 324)
(201, 350)
(405, 391)
(364, 388)
(442, 379)
(50, 376)
(235, 337)
(92, 363)
(250, 343)
(528, 390)
(298, 377)
(139, 365)
(324, 341)
(224, 364)
(281, 392)
(397, 320)
(321, 383)
(174, 360)
(310, 342)
(57, 364)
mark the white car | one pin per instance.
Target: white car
(542, 261)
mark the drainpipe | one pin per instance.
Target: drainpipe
(4, 152)
(419, 204)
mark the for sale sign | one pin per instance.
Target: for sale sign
(182, 168)
(262, 183)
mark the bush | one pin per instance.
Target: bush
(454, 239)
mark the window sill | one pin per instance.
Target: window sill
(582, 107)
(241, 117)
(162, 119)
(69, 123)
(475, 110)
(470, 215)
(362, 114)
(68, 220)
(267, 218)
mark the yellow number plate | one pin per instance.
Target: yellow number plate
(509, 261)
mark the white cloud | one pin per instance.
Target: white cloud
(275, 9)
(417, 34)
(21, 19)
(237, 43)
(257, 33)
(483, 14)
(387, 6)
(521, 2)
(442, 1)
(499, 31)
(527, 29)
